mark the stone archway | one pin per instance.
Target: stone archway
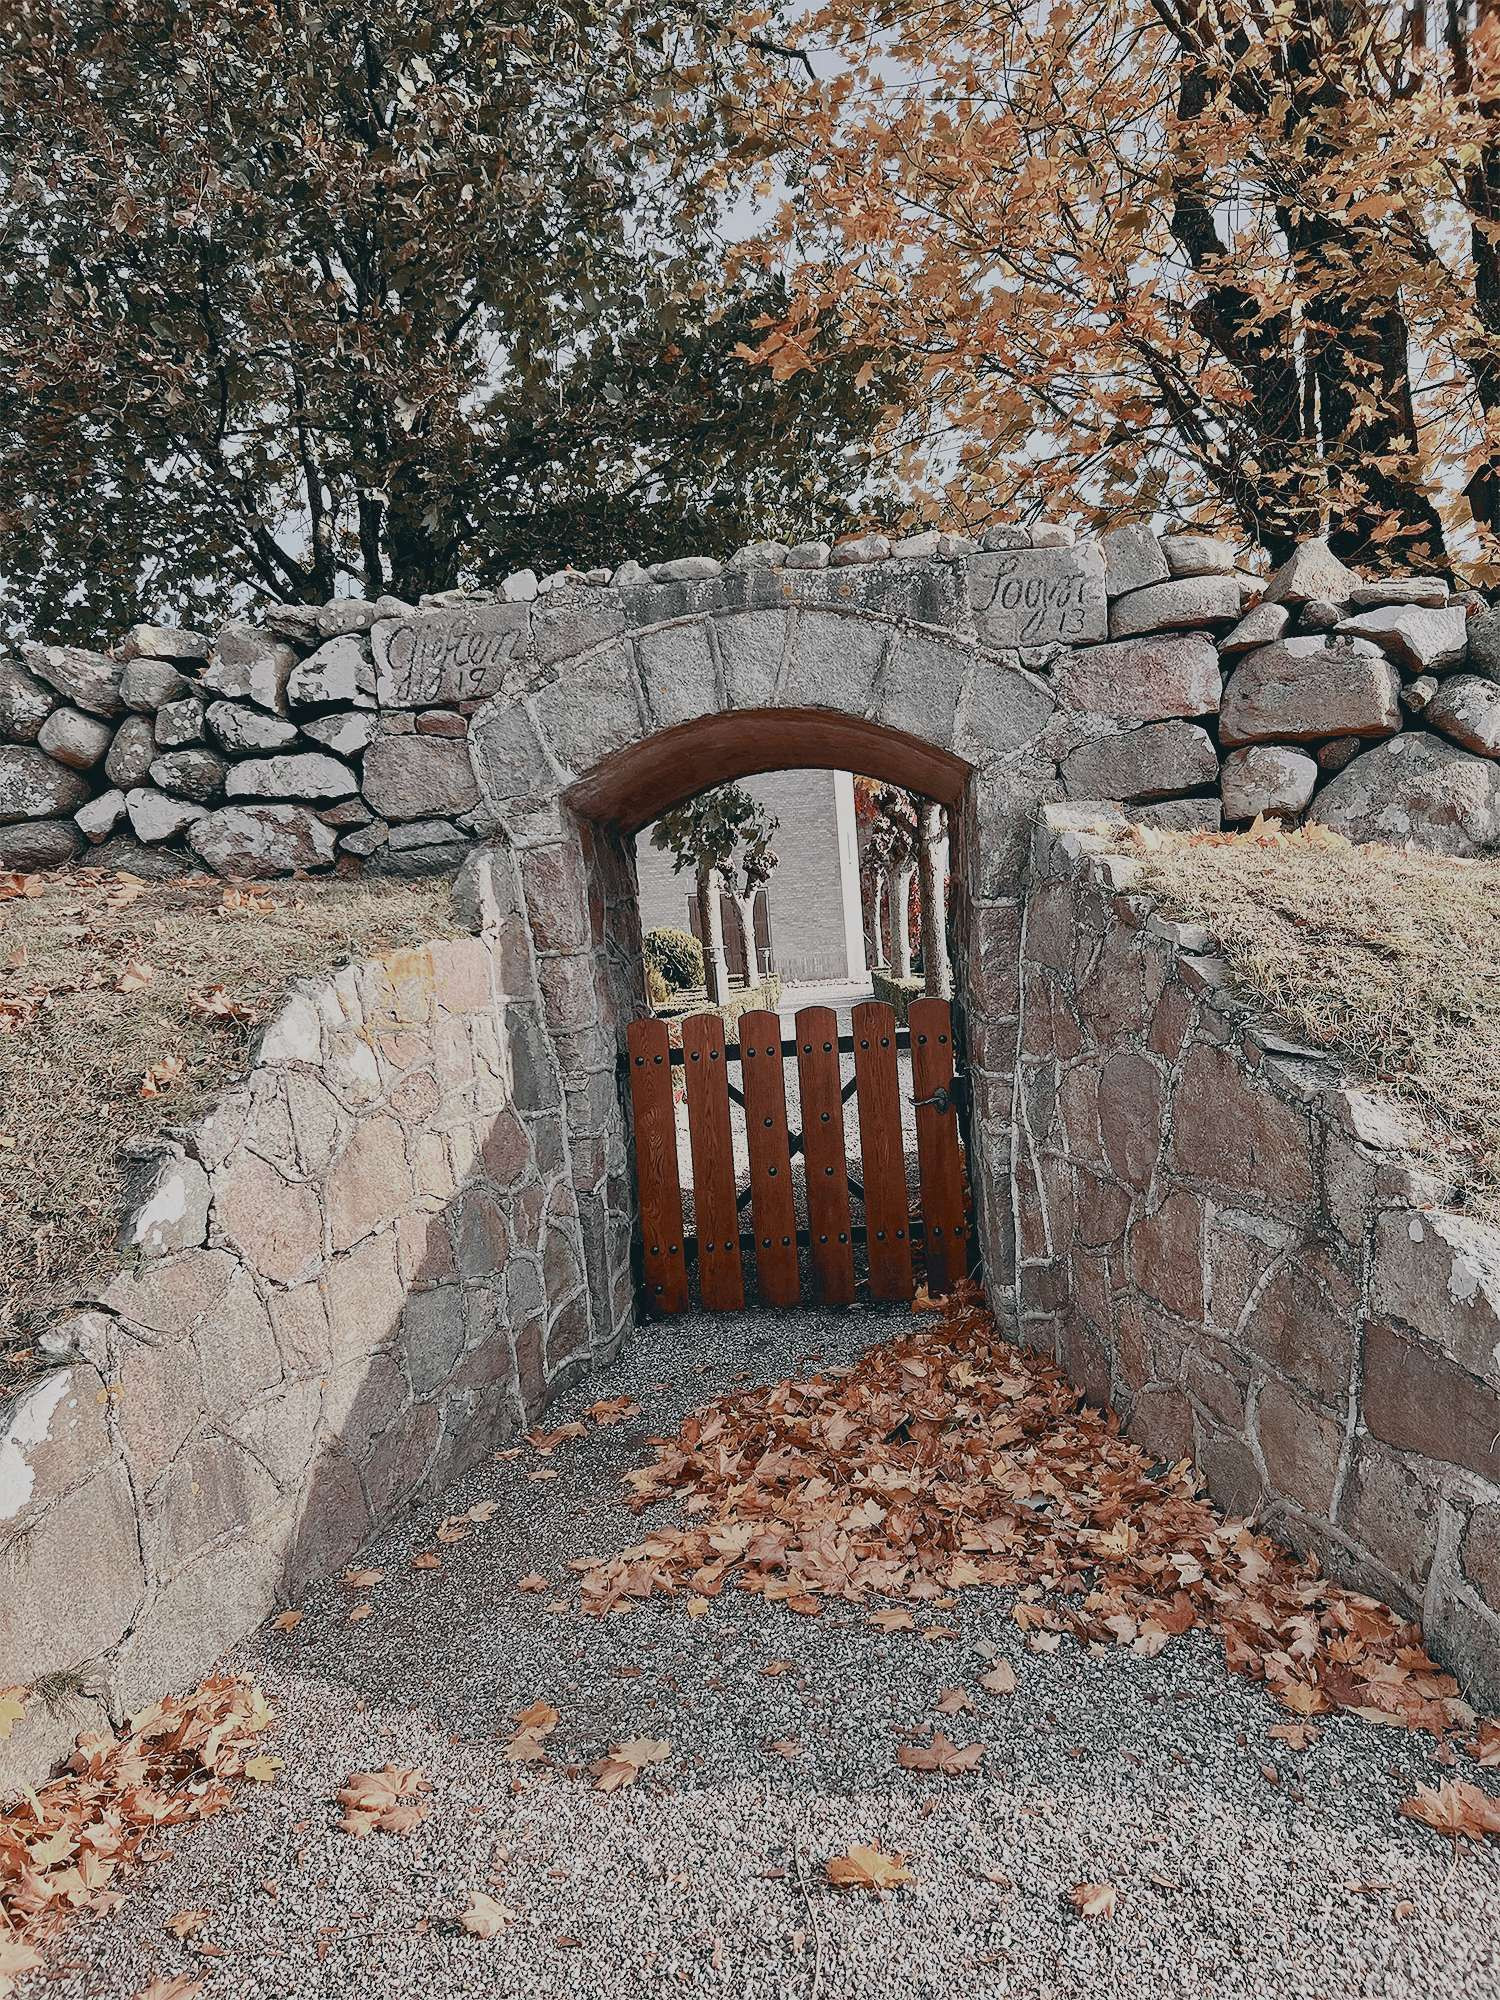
(631, 700)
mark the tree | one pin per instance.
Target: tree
(396, 295)
(891, 855)
(1222, 260)
(724, 836)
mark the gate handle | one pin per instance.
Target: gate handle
(942, 1099)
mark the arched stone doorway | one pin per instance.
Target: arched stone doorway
(633, 700)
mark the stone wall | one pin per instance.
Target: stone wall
(1220, 1234)
(314, 733)
(348, 1282)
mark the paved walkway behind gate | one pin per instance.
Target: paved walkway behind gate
(1242, 1867)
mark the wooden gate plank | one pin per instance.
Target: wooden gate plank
(944, 1235)
(882, 1160)
(721, 1279)
(771, 1205)
(657, 1182)
(821, 1087)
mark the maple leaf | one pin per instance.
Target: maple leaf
(1300, 1735)
(358, 1613)
(17, 1958)
(626, 1761)
(1093, 1899)
(134, 975)
(868, 1868)
(1485, 1749)
(773, 1669)
(427, 1559)
(362, 1579)
(486, 1916)
(288, 1621)
(186, 1922)
(12, 1708)
(953, 1701)
(891, 1620)
(161, 1076)
(940, 1755)
(533, 1584)
(1457, 1810)
(262, 1769)
(541, 1718)
(785, 1746)
(381, 1801)
(1001, 1678)
(178, 1988)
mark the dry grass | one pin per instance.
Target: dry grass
(1387, 958)
(124, 1006)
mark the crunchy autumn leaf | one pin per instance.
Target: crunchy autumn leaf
(179, 1988)
(482, 1510)
(262, 1770)
(13, 885)
(362, 1579)
(161, 1076)
(1485, 1749)
(785, 1746)
(1455, 1809)
(1093, 1899)
(535, 1585)
(186, 1922)
(287, 1621)
(427, 1559)
(486, 1916)
(953, 1701)
(626, 1761)
(134, 975)
(380, 1801)
(1300, 1735)
(613, 1410)
(888, 1620)
(358, 1613)
(12, 1708)
(213, 1004)
(869, 1868)
(1001, 1678)
(16, 1957)
(940, 1755)
(541, 1718)
(773, 1669)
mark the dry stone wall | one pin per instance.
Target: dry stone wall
(1222, 1235)
(343, 1286)
(1190, 688)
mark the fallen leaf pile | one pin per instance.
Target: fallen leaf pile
(947, 1459)
(626, 1761)
(65, 1848)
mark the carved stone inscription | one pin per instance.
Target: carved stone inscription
(1035, 597)
(446, 655)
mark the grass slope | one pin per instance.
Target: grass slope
(1386, 957)
(124, 1006)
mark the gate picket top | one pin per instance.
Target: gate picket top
(649, 1052)
(821, 1088)
(881, 1151)
(944, 1229)
(716, 1215)
(772, 1207)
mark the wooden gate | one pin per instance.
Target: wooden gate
(895, 1216)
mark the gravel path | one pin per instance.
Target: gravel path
(706, 1876)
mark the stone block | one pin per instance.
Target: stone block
(678, 673)
(1301, 689)
(445, 655)
(1301, 1444)
(751, 645)
(1184, 604)
(1391, 1513)
(165, 1201)
(147, 685)
(369, 1184)
(1143, 680)
(155, 817)
(307, 774)
(1166, 1255)
(72, 1582)
(1267, 778)
(1465, 707)
(1039, 597)
(131, 754)
(25, 704)
(179, 723)
(1424, 641)
(1310, 572)
(275, 1224)
(1233, 1132)
(70, 737)
(1481, 1552)
(1133, 559)
(1131, 1097)
(33, 786)
(1416, 788)
(365, 1298)
(331, 677)
(1439, 1273)
(41, 843)
(254, 842)
(1151, 762)
(189, 774)
(88, 680)
(165, 642)
(1418, 1400)
(593, 711)
(419, 777)
(432, 1337)
(248, 663)
(1197, 555)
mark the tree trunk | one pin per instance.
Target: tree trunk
(711, 927)
(744, 910)
(937, 973)
(878, 956)
(901, 921)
